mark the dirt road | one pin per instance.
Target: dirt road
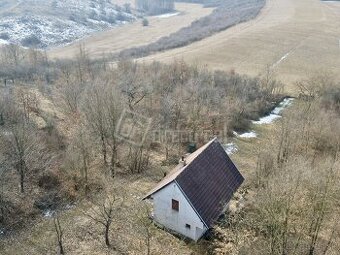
(295, 38)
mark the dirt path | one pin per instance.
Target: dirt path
(297, 38)
(132, 35)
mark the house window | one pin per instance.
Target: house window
(175, 205)
(187, 226)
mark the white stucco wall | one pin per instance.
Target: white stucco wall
(176, 220)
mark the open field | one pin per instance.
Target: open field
(132, 35)
(297, 38)
(122, 2)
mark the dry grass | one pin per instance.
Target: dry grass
(308, 30)
(132, 35)
(83, 236)
(299, 38)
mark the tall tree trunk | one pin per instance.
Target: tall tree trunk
(113, 162)
(59, 233)
(61, 248)
(22, 176)
(104, 150)
(107, 230)
(85, 169)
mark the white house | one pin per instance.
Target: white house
(195, 193)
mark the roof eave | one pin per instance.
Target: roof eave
(150, 194)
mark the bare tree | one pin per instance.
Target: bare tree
(69, 92)
(81, 146)
(95, 115)
(9, 110)
(321, 201)
(103, 214)
(145, 226)
(82, 65)
(132, 83)
(270, 85)
(113, 115)
(59, 233)
(4, 208)
(102, 111)
(28, 101)
(25, 151)
(138, 158)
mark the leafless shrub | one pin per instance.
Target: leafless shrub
(103, 214)
(296, 194)
(25, 152)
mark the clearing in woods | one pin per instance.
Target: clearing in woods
(134, 34)
(296, 38)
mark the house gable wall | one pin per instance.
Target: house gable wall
(177, 220)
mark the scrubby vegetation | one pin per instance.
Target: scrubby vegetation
(292, 198)
(61, 155)
(145, 22)
(59, 120)
(72, 184)
(227, 14)
(153, 7)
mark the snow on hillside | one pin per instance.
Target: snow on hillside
(42, 23)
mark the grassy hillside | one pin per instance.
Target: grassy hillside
(134, 34)
(227, 14)
(41, 24)
(295, 45)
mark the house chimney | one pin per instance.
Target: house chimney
(182, 161)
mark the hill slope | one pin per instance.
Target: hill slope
(295, 38)
(44, 23)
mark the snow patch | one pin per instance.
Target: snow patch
(230, 148)
(281, 59)
(3, 41)
(2, 231)
(48, 213)
(267, 119)
(5, 133)
(69, 206)
(275, 114)
(168, 15)
(70, 20)
(284, 104)
(251, 134)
